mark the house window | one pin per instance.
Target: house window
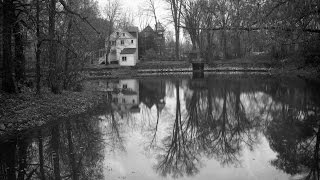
(131, 41)
(117, 33)
(123, 100)
(113, 43)
(122, 42)
(123, 34)
(133, 101)
(124, 86)
(124, 58)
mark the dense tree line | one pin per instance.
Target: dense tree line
(61, 32)
(236, 28)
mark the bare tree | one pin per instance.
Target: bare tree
(112, 13)
(176, 7)
(143, 18)
(150, 8)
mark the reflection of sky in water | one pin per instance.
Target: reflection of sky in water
(138, 158)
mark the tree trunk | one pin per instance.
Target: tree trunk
(177, 43)
(238, 45)
(8, 83)
(67, 58)
(108, 41)
(53, 77)
(19, 54)
(38, 52)
(224, 44)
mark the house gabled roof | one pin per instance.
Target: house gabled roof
(147, 29)
(128, 51)
(114, 36)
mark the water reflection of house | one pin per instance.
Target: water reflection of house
(153, 92)
(125, 98)
(124, 93)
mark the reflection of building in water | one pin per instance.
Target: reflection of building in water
(124, 93)
(125, 97)
(153, 92)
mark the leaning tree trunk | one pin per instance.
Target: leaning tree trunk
(8, 83)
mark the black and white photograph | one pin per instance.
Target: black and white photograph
(159, 89)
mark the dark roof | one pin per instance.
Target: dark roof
(128, 51)
(132, 29)
(134, 34)
(148, 28)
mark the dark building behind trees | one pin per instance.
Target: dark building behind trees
(151, 42)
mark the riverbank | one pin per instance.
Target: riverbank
(27, 110)
(262, 63)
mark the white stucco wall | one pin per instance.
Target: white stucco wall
(127, 38)
(131, 60)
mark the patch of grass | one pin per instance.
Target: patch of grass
(26, 109)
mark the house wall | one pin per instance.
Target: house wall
(118, 47)
(125, 101)
(131, 60)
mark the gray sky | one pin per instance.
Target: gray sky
(134, 6)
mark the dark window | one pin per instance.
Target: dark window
(123, 34)
(133, 101)
(131, 41)
(124, 58)
(123, 100)
(117, 33)
(122, 42)
(124, 86)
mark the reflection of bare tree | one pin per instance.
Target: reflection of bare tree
(55, 137)
(40, 149)
(216, 125)
(179, 157)
(71, 153)
(294, 134)
(112, 130)
(70, 149)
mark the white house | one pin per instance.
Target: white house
(124, 47)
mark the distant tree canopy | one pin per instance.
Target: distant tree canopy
(235, 28)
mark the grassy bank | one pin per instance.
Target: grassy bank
(27, 110)
(294, 65)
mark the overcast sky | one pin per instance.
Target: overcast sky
(135, 5)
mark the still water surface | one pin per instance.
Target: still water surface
(218, 127)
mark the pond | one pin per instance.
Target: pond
(217, 127)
